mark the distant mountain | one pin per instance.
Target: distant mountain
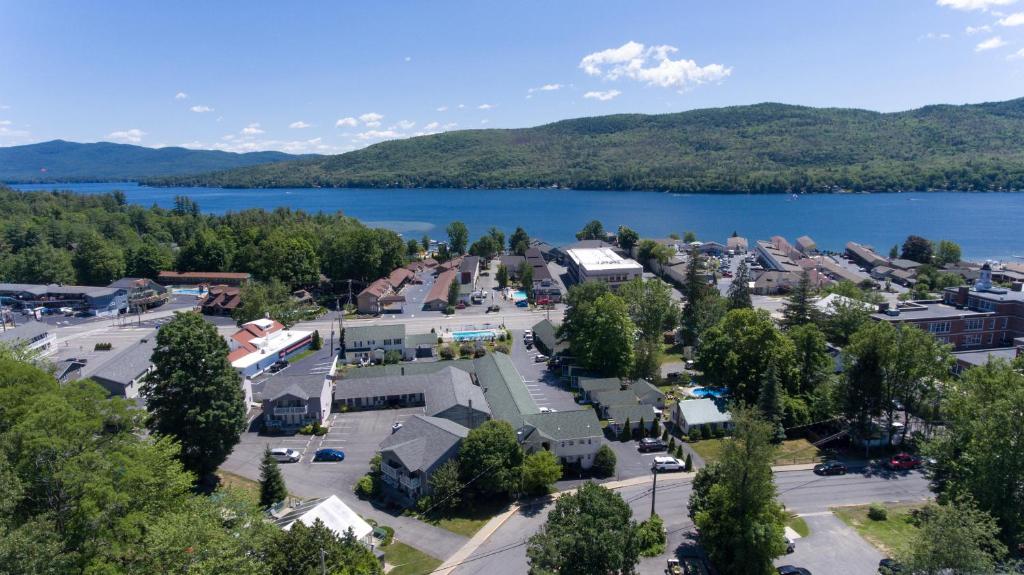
(759, 148)
(60, 161)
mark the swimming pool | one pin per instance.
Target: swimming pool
(474, 335)
(190, 291)
(518, 295)
(715, 392)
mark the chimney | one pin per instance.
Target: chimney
(961, 296)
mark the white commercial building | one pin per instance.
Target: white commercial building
(601, 264)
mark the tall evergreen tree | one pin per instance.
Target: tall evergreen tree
(695, 290)
(193, 394)
(799, 308)
(739, 289)
(272, 488)
(770, 402)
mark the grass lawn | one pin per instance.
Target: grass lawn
(301, 355)
(248, 487)
(797, 523)
(463, 521)
(889, 535)
(791, 451)
(408, 561)
(671, 353)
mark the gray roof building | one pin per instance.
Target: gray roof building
(563, 425)
(448, 392)
(544, 335)
(595, 384)
(703, 411)
(122, 374)
(372, 336)
(25, 333)
(648, 393)
(614, 397)
(634, 413)
(424, 443)
(416, 368)
(507, 395)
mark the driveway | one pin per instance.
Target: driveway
(832, 547)
(546, 389)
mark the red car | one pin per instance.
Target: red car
(902, 461)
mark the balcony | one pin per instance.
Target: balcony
(281, 411)
(410, 482)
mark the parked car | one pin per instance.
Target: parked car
(651, 444)
(460, 305)
(548, 410)
(904, 461)
(665, 463)
(830, 468)
(791, 570)
(790, 545)
(396, 426)
(540, 358)
(279, 365)
(329, 455)
(285, 454)
(493, 308)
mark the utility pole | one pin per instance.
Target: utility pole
(654, 488)
(323, 564)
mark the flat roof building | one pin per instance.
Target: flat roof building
(601, 264)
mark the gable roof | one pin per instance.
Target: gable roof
(132, 362)
(456, 388)
(647, 392)
(398, 277)
(545, 331)
(504, 389)
(442, 389)
(562, 425)
(439, 291)
(634, 413)
(423, 442)
(594, 384)
(377, 288)
(24, 332)
(337, 516)
(414, 368)
(614, 397)
(377, 333)
(704, 410)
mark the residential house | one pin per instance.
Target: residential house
(437, 297)
(589, 386)
(369, 343)
(123, 374)
(864, 255)
(368, 300)
(648, 394)
(634, 413)
(299, 395)
(143, 293)
(690, 413)
(603, 400)
(512, 263)
(199, 278)
(334, 514)
(545, 288)
(546, 339)
(411, 455)
(34, 335)
(221, 300)
(262, 342)
(771, 282)
(469, 270)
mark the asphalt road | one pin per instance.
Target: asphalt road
(504, 553)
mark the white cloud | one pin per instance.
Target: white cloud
(1016, 19)
(299, 125)
(485, 121)
(461, 106)
(405, 124)
(652, 65)
(5, 122)
(133, 136)
(180, 96)
(349, 121)
(442, 108)
(201, 109)
(1018, 55)
(432, 126)
(239, 145)
(379, 135)
(934, 36)
(485, 107)
(990, 44)
(408, 58)
(546, 88)
(602, 96)
(972, 30)
(973, 4)
(252, 129)
(370, 117)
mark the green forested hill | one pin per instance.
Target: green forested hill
(60, 161)
(759, 148)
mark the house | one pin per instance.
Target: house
(634, 413)
(399, 277)
(737, 245)
(864, 255)
(35, 336)
(368, 300)
(544, 285)
(143, 293)
(806, 246)
(123, 374)
(770, 282)
(198, 278)
(648, 394)
(419, 345)
(262, 342)
(369, 343)
(411, 455)
(337, 516)
(87, 300)
(469, 270)
(221, 300)
(601, 264)
(512, 263)
(437, 297)
(589, 386)
(603, 400)
(546, 339)
(692, 413)
(299, 395)
(902, 264)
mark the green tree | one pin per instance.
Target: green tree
(739, 289)
(458, 237)
(627, 238)
(770, 402)
(193, 394)
(917, 249)
(541, 470)
(453, 291)
(486, 247)
(272, 488)
(953, 538)
(502, 276)
(204, 252)
(594, 230)
(446, 487)
(149, 258)
(499, 238)
(518, 242)
(263, 299)
(526, 279)
(316, 342)
(737, 351)
(799, 308)
(648, 250)
(650, 306)
(316, 549)
(43, 264)
(700, 299)
(844, 318)
(948, 252)
(600, 334)
(812, 360)
(289, 259)
(650, 537)
(689, 237)
(491, 461)
(587, 532)
(978, 451)
(604, 462)
(412, 248)
(425, 242)
(647, 360)
(740, 521)
(626, 432)
(98, 262)
(894, 252)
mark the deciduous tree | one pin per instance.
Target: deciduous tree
(491, 461)
(458, 237)
(736, 353)
(627, 237)
(446, 487)
(541, 470)
(953, 538)
(594, 230)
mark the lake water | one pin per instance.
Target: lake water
(986, 225)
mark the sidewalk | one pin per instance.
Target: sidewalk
(476, 541)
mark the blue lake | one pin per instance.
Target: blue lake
(987, 225)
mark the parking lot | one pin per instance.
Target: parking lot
(545, 388)
(832, 547)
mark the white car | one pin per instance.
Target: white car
(285, 454)
(665, 463)
(548, 410)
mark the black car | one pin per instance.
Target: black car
(830, 468)
(652, 444)
(791, 570)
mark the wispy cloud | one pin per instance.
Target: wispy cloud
(485, 107)
(934, 36)
(408, 58)
(180, 96)
(252, 129)
(972, 30)
(602, 96)
(652, 65)
(968, 5)
(346, 122)
(405, 124)
(379, 135)
(442, 108)
(132, 136)
(299, 125)
(546, 88)
(990, 44)
(1018, 55)
(1015, 19)
(371, 119)
(201, 109)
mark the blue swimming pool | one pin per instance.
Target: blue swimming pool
(518, 295)
(190, 291)
(715, 392)
(474, 335)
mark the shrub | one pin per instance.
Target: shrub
(365, 487)
(392, 356)
(440, 340)
(446, 353)
(705, 431)
(672, 445)
(604, 462)
(650, 537)
(449, 310)
(624, 434)
(424, 503)
(466, 349)
(479, 352)
(719, 432)
(501, 348)
(664, 434)
(696, 433)
(689, 461)
(679, 452)
(389, 535)
(103, 346)
(877, 512)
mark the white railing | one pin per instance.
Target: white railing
(290, 410)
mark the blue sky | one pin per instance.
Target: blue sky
(330, 77)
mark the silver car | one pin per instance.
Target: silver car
(285, 454)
